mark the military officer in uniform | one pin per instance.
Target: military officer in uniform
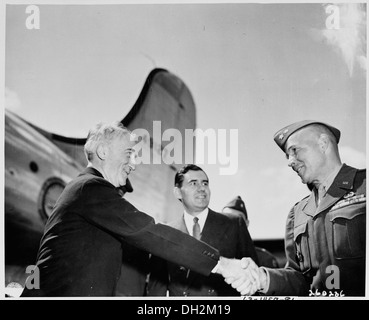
(325, 232)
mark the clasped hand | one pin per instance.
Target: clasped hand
(243, 275)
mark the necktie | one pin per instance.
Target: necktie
(320, 194)
(196, 228)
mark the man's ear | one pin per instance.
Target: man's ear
(177, 193)
(101, 151)
(324, 142)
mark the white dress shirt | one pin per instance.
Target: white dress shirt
(188, 218)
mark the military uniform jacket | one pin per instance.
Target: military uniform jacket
(325, 245)
(228, 234)
(81, 250)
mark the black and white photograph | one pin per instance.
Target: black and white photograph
(156, 150)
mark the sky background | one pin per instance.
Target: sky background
(251, 67)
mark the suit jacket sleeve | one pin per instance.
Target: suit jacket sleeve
(102, 205)
(288, 280)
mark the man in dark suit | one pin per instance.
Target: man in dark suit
(326, 231)
(228, 234)
(81, 250)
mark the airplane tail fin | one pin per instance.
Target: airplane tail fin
(164, 98)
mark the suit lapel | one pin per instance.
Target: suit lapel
(213, 230)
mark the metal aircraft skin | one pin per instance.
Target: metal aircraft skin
(38, 165)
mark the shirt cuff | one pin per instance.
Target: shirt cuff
(266, 288)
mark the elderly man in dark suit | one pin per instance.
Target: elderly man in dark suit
(228, 234)
(81, 250)
(326, 231)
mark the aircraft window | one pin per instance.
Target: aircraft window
(50, 193)
(33, 166)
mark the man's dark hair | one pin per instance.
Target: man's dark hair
(178, 179)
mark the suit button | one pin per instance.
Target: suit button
(185, 293)
(210, 292)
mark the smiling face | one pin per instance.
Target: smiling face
(194, 192)
(306, 156)
(119, 160)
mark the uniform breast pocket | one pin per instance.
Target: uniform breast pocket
(348, 227)
(301, 238)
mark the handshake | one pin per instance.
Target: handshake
(243, 275)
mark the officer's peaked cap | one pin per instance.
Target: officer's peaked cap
(237, 204)
(283, 134)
